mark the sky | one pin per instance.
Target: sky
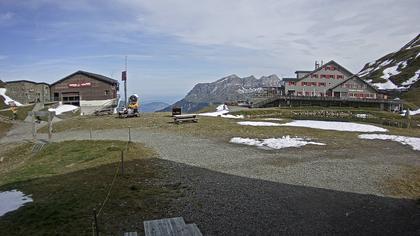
(171, 45)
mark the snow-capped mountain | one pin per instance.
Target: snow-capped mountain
(398, 70)
(230, 88)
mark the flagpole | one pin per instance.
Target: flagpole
(125, 83)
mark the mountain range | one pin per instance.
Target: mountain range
(153, 106)
(397, 71)
(229, 88)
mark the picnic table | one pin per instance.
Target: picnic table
(185, 118)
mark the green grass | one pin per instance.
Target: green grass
(22, 112)
(413, 97)
(68, 180)
(4, 128)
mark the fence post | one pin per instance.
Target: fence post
(96, 222)
(122, 162)
(90, 133)
(129, 134)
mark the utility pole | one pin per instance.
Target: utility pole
(125, 83)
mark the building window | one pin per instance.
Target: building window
(321, 84)
(106, 92)
(314, 76)
(339, 76)
(292, 83)
(323, 76)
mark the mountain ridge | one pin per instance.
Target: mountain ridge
(228, 88)
(399, 70)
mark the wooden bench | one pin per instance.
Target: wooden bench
(185, 118)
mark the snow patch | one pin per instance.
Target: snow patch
(385, 63)
(335, 125)
(413, 142)
(7, 99)
(63, 108)
(363, 116)
(249, 90)
(274, 143)
(413, 79)
(273, 119)
(412, 113)
(385, 86)
(258, 123)
(221, 111)
(12, 200)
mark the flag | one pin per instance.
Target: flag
(124, 76)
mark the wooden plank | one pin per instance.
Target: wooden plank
(193, 230)
(130, 233)
(187, 119)
(185, 116)
(162, 227)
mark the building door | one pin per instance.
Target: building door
(72, 98)
(336, 94)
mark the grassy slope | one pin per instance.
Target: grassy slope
(4, 127)
(22, 112)
(413, 64)
(68, 180)
(413, 96)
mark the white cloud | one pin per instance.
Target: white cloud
(294, 31)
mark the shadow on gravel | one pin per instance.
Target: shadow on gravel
(222, 204)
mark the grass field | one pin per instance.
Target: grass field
(68, 180)
(4, 127)
(22, 112)
(211, 127)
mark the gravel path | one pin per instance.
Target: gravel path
(357, 171)
(242, 190)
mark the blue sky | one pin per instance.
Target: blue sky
(172, 45)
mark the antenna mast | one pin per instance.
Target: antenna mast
(125, 83)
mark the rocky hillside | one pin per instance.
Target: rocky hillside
(230, 88)
(398, 70)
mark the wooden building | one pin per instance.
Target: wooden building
(316, 83)
(84, 86)
(354, 88)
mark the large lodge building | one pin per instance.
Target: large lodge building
(330, 80)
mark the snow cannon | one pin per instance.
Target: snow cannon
(132, 107)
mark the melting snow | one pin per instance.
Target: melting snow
(258, 123)
(335, 125)
(413, 79)
(413, 142)
(412, 113)
(7, 99)
(221, 111)
(385, 86)
(275, 143)
(249, 90)
(12, 200)
(273, 119)
(63, 108)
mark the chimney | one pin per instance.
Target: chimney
(316, 65)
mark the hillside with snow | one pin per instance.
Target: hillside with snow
(398, 70)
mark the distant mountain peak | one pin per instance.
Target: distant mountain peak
(229, 88)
